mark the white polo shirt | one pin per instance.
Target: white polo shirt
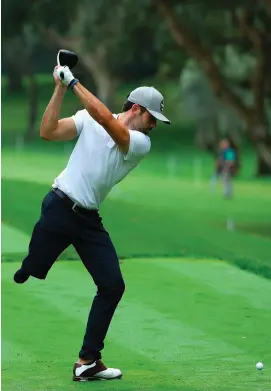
(96, 163)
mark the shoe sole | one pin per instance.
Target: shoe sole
(82, 378)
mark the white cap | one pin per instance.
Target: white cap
(151, 99)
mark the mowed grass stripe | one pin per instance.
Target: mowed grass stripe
(45, 349)
(60, 304)
(26, 318)
(50, 347)
(196, 304)
(187, 294)
(129, 317)
(234, 282)
(163, 338)
(200, 306)
(194, 356)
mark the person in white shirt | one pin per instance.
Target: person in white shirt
(108, 147)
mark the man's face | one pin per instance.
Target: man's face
(142, 120)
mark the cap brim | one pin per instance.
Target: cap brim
(159, 116)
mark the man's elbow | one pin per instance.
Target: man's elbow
(45, 138)
(44, 135)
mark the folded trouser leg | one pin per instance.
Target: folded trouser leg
(51, 235)
(44, 248)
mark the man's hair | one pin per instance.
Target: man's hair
(128, 105)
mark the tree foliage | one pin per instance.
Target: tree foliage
(122, 41)
(243, 26)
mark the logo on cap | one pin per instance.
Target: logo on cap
(162, 105)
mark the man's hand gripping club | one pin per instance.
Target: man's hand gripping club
(66, 60)
(66, 76)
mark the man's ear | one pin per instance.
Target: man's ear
(135, 108)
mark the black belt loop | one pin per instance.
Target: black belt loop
(73, 205)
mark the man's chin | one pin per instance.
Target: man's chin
(145, 131)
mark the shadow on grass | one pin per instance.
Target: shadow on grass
(261, 230)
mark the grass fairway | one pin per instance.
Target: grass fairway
(151, 213)
(190, 325)
(190, 319)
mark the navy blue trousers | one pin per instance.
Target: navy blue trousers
(58, 227)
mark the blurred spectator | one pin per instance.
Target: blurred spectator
(226, 165)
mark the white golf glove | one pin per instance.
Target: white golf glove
(65, 75)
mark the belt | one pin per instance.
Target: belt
(73, 205)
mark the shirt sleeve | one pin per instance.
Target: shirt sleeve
(79, 121)
(140, 145)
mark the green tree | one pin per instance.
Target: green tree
(204, 30)
(14, 16)
(19, 41)
(114, 40)
(213, 118)
(31, 39)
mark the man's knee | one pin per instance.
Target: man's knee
(117, 287)
(113, 289)
(121, 286)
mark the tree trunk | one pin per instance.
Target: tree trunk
(14, 79)
(207, 135)
(105, 83)
(263, 150)
(106, 88)
(261, 141)
(95, 63)
(251, 115)
(31, 130)
(205, 57)
(14, 63)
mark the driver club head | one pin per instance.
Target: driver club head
(66, 57)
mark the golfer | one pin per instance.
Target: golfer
(108, 147)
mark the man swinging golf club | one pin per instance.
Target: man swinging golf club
(108, 147)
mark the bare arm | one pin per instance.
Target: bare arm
(119, 133)
(53, 129)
